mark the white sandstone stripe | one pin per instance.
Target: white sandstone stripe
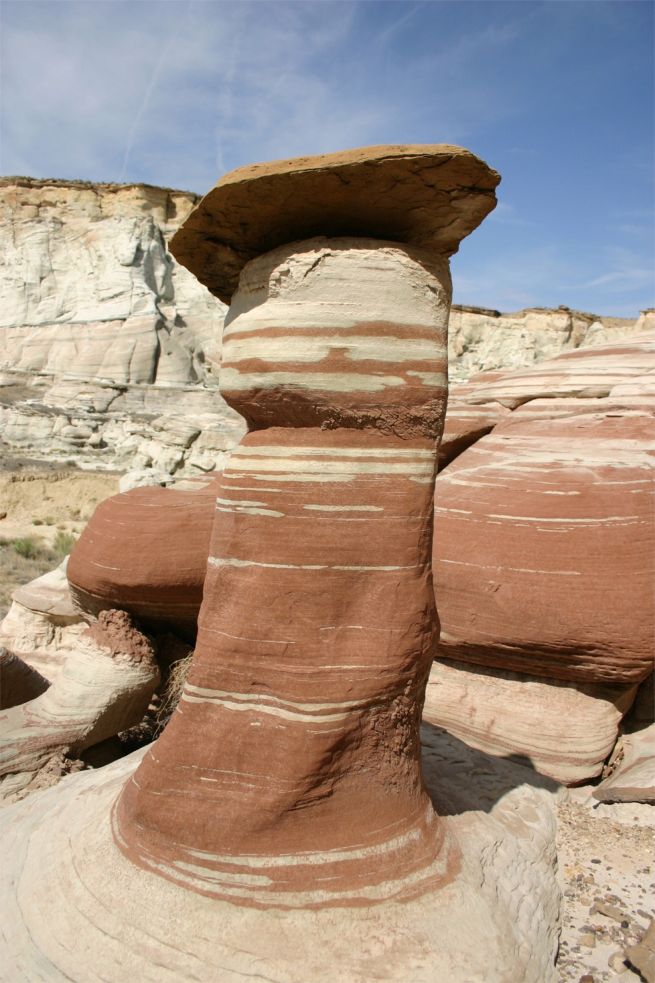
(307, 466)
(216, 561)
(245, 502)
(341, 382)
(268, 701)
(262, 708)
(297, 347)
(242, 510)
(345, 508)
(503, 566)
(280, 450)
(315, 858)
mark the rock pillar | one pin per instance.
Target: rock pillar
(290, 773)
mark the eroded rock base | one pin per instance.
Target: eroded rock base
(74, 908)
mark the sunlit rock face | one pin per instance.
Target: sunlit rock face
(88, 289)
(104, 688)
(536, 525)
(281, 827)
(297, 733)
(145, 551)
(104, 338)
(543, 558)
(107, 343)
(482, 340)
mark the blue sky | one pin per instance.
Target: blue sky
(556, 95)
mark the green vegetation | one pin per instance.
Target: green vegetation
(27, 547)
(26, 558)
(63, 543)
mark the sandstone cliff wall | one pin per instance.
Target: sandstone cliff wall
(106, 343)
(104, 339)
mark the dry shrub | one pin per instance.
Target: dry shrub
(172, 691)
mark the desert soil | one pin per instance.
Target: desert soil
(606, 856)
(38, 502)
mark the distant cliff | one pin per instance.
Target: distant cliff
(106, 342)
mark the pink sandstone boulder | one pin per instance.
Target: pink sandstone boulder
(145, 551)
(544, 548)
(560, 386)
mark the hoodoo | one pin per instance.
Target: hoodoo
(290, 775)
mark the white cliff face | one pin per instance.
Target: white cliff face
(88, 290)
(105, 329)
(483, 340)
(106, 343)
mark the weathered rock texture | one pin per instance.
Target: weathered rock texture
(73, 907)
(429, 196)
(42, 625)
(107, 344)
(323, 535)
(585, 374)
(104, 339)
(483, 340)
(146, 551)
(289, 777)
(104, 688)
(544, 556)
(632, 777)
(536, 525)
(564, 730)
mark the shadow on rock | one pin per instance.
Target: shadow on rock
(461, 779)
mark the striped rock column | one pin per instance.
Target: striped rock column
(290, 773)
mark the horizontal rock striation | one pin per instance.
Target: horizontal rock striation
(74, 907)
(564, 730)
(318, 620)
(482, 340)
(102, 334)
(107, 344)
(536, 524)
(281, 826)
(145, 551)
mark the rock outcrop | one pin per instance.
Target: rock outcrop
(105, 341)
(42, 625)
(563, 730)
(104, 688)
(632, 769)
(107, 345)
(485, 340)
(285, 800)
(145, 551)
(536, 525)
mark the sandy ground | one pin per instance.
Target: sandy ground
(606, 859)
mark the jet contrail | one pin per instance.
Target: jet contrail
(144, 105)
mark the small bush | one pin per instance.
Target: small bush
(37, 522)
(63, 543)
(27, 547)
